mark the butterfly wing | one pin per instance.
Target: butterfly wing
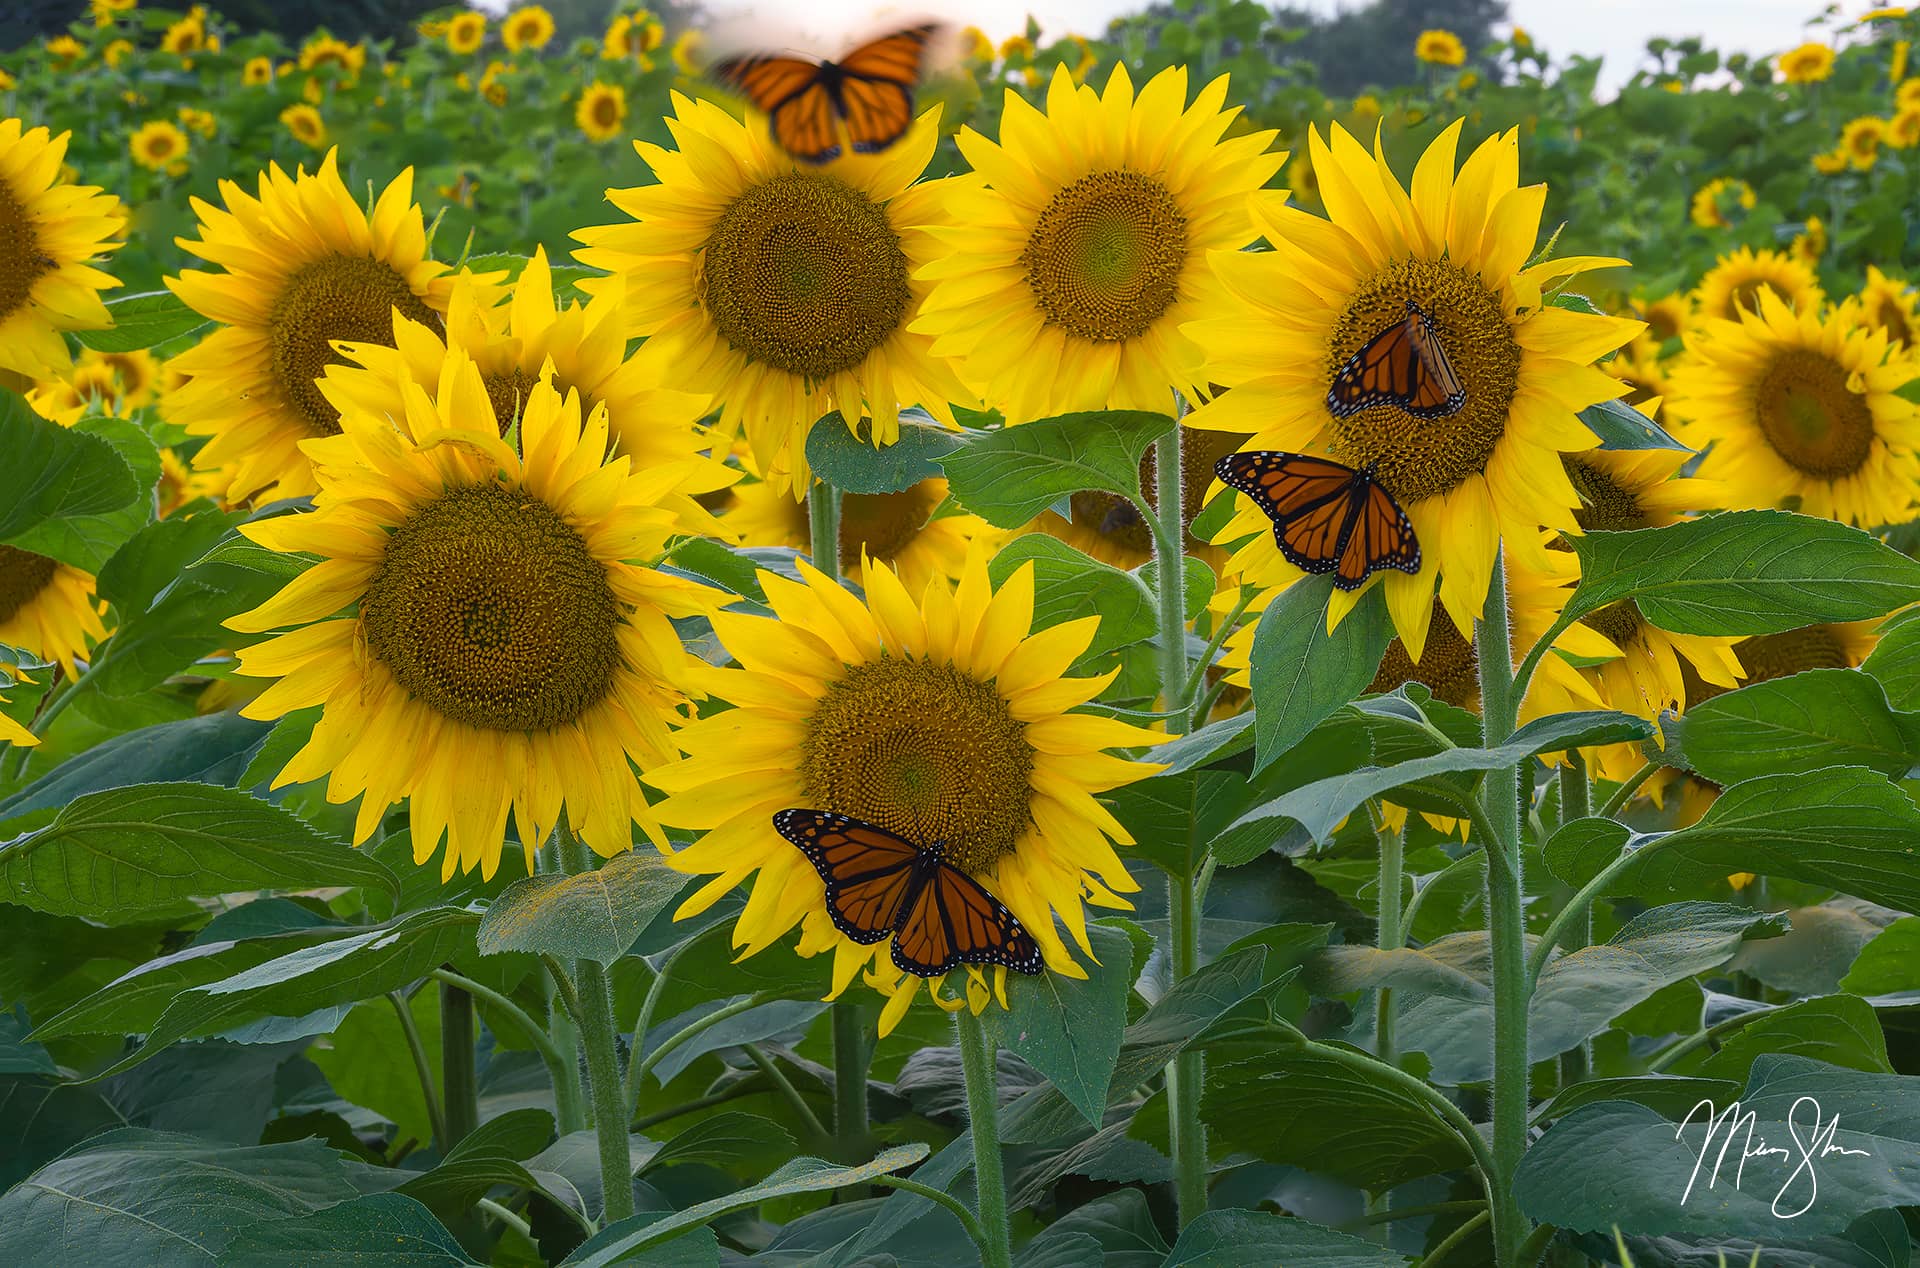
(1437, 390)
(1380, 536)
(793, 94)
(1404, 365)
(1327, 517)
(952, 919)
(876, 92)
(869, 872)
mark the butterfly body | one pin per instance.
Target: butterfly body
(880, 886)
(868, 92)
(1326, 517)
(1405, 365)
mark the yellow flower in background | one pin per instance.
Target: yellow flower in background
(99, 383)
(686, 51)
(900, 530)
(1520, 38)
(51, 233)
(1908, 93)
(1736, 280)
(6, 81)
(64, 50)
(187, 36)
(1810, 243)
(180, 484)
(632, 37)
(313, 94)
(1440, 48)
(474, 638)
(1803, 405)
(1830, 162)
(1808, 64)
(1860, 141)
(104, 11)
(1078, 249)
(601, 112)
(116, 52)
(1667, 317)
(784, 290)
(324, 50)
(466, 31)
(1903, 130)
(1302, 181)
(1886, 11)
(47, 607)
(158, 145)
(306, 125)
(1897, 65)
(1888, 304)
(257, 71)
(12, 732)
(1456, 245)
(1713, 201)
(946, 717)
(1016, 48)
(529, 26)
(304, 267)
(201, 121)
(978, 47)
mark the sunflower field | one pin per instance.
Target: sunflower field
(1142, 668)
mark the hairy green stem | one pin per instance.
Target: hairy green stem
(1579, 909)
(1575, 802)
(1451, 1242)
(643, 1023)
(983, 1120)
(1389, 935)
(789, 1093)
(1536, 1245)
(532, 1030)
(1624, 793)
(823, 524)
(943, 1198)
(1170, 576)
(1673, 1052)
(1506, 920)
(421, 1067)
(1466, 1206)
(501, 1213)
(608, 1092)
(851, 1052)
(671, 1112)
(694, 1028)
(1222, 629)
(459, 1080)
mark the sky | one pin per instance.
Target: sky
(1615, 29)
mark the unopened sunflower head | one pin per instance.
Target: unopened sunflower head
(943, 717)
(1457, 246)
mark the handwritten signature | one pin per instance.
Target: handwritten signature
(1730, 1123)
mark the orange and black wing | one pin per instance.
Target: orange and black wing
(1405, 365)
(870, 873)
(951, 920)
(1327, 517)
(792, 92)
(877, 87)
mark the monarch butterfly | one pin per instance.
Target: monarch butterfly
(871, 88)
(1326, 517)
(879, 885)
(1403, 365)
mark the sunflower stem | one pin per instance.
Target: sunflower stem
(1576, 802)
(1390, 933)
(850, 1056)
(642, 1023)
(983, 1119)
(1185, 1074)
(609, 1092)
(1506, 921)
(422, 1067)
(458, 1080)
(1170, 578)
(823, 527)
(569, 1103)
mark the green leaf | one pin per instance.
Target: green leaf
(19, 1055)
(41, 1119)
(1890, 963)
(54, 473)
(89, 540)
(1301, 674)
(1895, 659)
(365, 1061)
(1841, 1030)
(1842, 828)
(1069, 585)
(595, 915)
(1620, 426)
(1798, 724)
(1230, 1239)
(776, 1017)
(1671, 1095)
(1070, 1030)
(621, 1241)
(214, 748)
(1815, 954)
(126, 853)
(1114, 1230)
(1743, 572)
(854, 465)
(1622, 1164)
(1007, 477)
(1200, 582)
(1581, 850)
(708, 968)
(141, 321)
(149, 1198)
(725, 1140)
(235, 551)
(381, 1230)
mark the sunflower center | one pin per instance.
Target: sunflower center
(1770, 656)
(1104, 259)
(1890, 316)
(1662, 323)
(507, 392)
(805, 273)
(606, 111)
(1746, 295)
(1604, 505)
(925, 751)
(1620, 622)
(1447, 667)
(490, 608)
(1810, 418)
(22, 262)
(883, 523)
(346, 297)
(1416, 458)
(23, 575)
(1114, 519)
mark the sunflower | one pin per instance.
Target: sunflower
(943, 719)
(1440, 48)
(1811, 242)
(306, 125)
(784, 290)
(1111, 529)
(529, 26)
(1860, 141)
(1016, 48)
(686, 51)
(100, 383)
(1903, 130)
(630, 37)
(64, 50)
(1457, 250)
(1079, 246)
(180, 484)
(104, 11)
(1667, 318)
(1830, 162)
(324, 50)
(304, 267)
(188, 35)
(466, 31)
(257, 71)
(1714, 202)
(1803, 405)
(1838, 645)
(47, 607)
(475, 639)
(1888, 304)
(902, 530)
(116, 52)
(158, 145)
(1736, 281)
(1808, 64)
(49, 231)
(602, 111)
(201, 121)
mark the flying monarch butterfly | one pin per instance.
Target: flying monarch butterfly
(1326, 517)
(1403, 365)
(879, 885)
(870, 89)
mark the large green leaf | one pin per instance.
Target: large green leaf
(157, 1199)
(142, 321)
(381, 1230)
(1890, 963)
(387, 1089)
(1070, 1030)
(1623, 1164)
(1844, 828)
(595, 915)
(1068, 585)
(41, 1119)
(1743, 572)
(89, 540)
(775, 1017)
(856, 466)
(54, 473)
(1895, 659)
(1230, 1239)
(1620, 426)
(1007, 477)
(1840, 1030)
(212, 748)
(126, 853)
(1300, 673)
(1797, 724)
